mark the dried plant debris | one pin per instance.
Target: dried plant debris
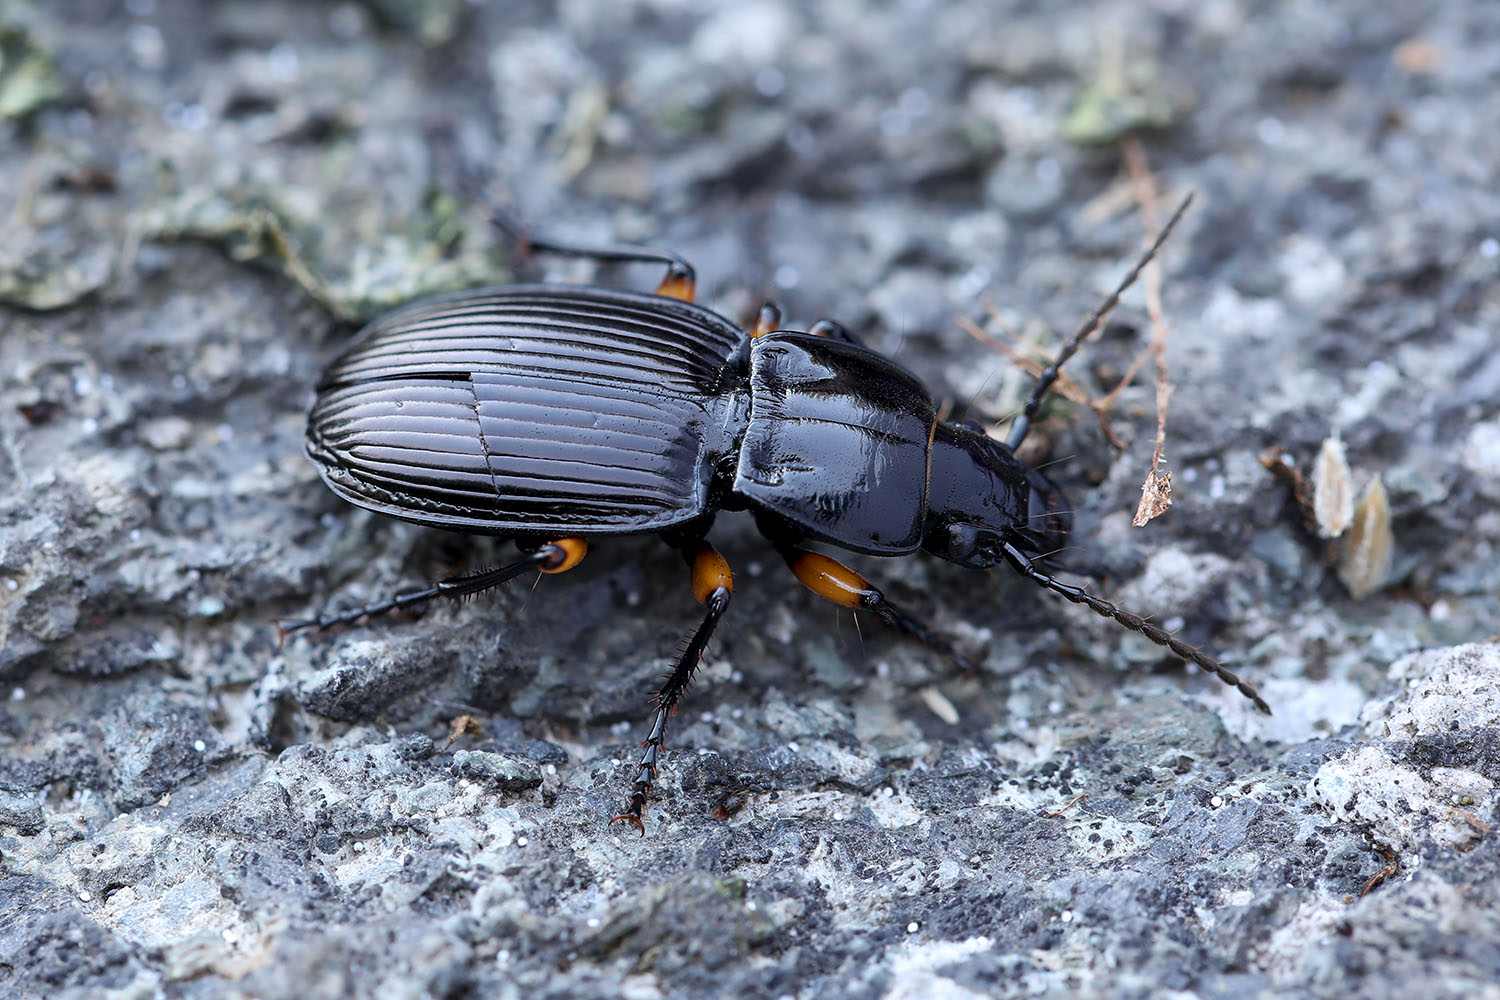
(464, 725)
(1365, 563)
(1156, 491)
(1362, 556)
(939, 705)
(1156, 497)
(1283, 465)
(1332, 490)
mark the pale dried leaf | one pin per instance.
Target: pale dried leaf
(939, 705)
(1333, 493)
(1156, 497)
(1366, 561)
(464, 725)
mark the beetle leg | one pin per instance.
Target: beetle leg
(833, 581)
(1049, 375)
(560, 554)
(680, 281)
(1024, 565)
(712, 586)
(834, 331)
(767, 320)
(551, 557)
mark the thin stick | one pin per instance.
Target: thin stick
(1066, 387)
(1156, 491)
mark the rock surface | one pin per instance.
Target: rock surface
(201, 200)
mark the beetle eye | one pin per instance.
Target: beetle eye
(963, 539)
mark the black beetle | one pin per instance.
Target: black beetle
(551, 414)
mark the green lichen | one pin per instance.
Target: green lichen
(28, 77)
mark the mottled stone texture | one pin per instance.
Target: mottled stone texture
(200, 200)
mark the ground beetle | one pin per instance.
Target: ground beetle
(552, 414)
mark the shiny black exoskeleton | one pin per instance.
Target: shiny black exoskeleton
(554, 414)
(551, 411)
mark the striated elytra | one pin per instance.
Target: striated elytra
(556, 414)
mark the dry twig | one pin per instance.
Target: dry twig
(1156, 491)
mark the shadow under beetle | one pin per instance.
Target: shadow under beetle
(552, 414)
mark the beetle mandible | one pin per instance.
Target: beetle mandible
(554, 414)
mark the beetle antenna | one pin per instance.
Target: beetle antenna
(1049, 375)
(1025, 566)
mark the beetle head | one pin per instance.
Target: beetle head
(980, 496)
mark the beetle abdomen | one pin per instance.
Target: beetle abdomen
(837, 443)
(530, 409)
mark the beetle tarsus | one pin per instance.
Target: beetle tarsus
(635, 806)
(1024, 565)
(457, 587)
(680, 281)
(667, 697)
(287, 626)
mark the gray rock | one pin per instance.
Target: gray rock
(203, 200)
